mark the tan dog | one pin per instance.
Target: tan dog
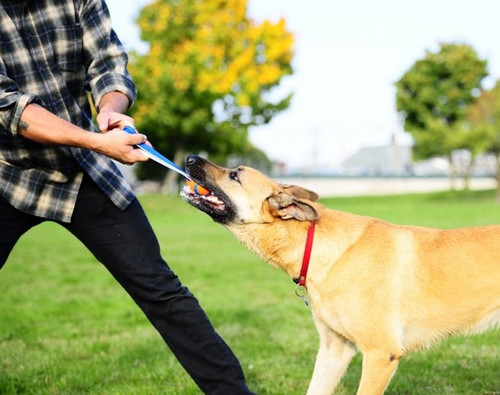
(381, 288)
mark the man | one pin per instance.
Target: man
(53, 167)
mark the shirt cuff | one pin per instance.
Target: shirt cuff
(19, 101)
(112, 83)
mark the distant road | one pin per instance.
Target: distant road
(331, 187)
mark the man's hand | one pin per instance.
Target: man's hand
(111, 112)
(114, 142)
(119, 145)
(108, 120)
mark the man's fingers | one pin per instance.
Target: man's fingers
(109, 120)
(138, 154)
(138, 138)
(142, 156)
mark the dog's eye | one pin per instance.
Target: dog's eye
(234, 176)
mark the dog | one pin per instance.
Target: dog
(376, 287)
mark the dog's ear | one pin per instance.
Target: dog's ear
(286, 206)
(300, 193)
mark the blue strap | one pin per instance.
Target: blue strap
(156, 156)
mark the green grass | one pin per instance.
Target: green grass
(67, 328)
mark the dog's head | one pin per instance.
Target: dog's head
(244, 195)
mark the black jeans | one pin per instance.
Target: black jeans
(126, 244)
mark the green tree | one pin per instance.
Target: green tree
(433, 97)
(210, 73)
(483, 119)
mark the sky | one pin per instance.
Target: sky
(348, 56)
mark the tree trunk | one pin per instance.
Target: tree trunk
(497, 177)
(453, 173)
(469, 168)
(169, 184)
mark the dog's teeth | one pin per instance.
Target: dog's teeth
(213, 199)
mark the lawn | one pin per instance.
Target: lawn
(67, 328)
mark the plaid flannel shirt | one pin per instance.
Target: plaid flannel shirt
(53, 52)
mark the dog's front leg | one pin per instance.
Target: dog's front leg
(332, 360)
(378, 368)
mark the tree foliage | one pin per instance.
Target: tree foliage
(433, 97)
(484, 115)
(208, 76)
(483, 122)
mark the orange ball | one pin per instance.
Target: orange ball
(198, 189)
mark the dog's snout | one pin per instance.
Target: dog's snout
(194, 166)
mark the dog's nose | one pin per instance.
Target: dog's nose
(191, 159)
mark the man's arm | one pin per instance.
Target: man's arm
(42, 126)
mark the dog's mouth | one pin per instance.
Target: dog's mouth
(208, 199)
(214, 203)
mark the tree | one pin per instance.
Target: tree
(208, 76)
(433, 97)
(483, 119)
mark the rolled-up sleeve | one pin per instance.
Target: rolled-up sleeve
(12, 104)
(104, 55)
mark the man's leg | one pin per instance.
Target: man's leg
(125, 243)
(13, 224)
